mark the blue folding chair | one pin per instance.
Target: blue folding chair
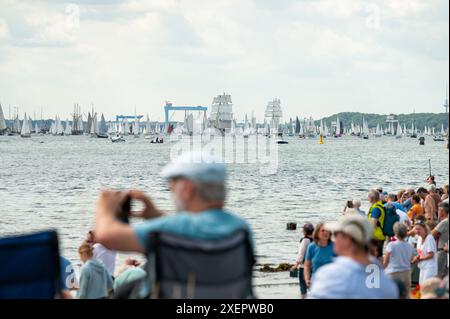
(29, 266)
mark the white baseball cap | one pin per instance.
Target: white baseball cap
(196, 166)
(357, 227)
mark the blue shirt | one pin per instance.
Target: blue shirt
(319, 255)
(407, 204)
(397, 206)
(376, 213)
(347, 279)
(213, 224)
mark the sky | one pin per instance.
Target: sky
(319, 57)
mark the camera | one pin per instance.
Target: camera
(350, 204)
(123, 214)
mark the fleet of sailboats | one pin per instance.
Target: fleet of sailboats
(201, 125)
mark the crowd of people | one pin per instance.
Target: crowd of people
(403, 237)
(373, 254)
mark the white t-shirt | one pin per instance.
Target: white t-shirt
(106, 257)
(404, 219)
(425, 247)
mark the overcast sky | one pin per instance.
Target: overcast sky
(318, 56)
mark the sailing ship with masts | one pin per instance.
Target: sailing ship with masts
(77, 121)
(221, 114)
(3, 126)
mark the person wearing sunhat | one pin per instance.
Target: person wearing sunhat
(197, 183)
(353, 274)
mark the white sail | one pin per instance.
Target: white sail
(233, 128)
(378, 130)
(338, 126)
(148, 128)
(399, 131)
(36, 128)
(25, 131)
(80, 123)
(2, 120)
(442, 130)
(68, 130)
(136, 126)
(16, 127)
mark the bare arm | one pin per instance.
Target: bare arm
(386, 258)
(307, 272)
(114, 234)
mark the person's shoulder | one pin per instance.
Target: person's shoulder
(340, 265)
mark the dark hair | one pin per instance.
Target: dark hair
(431, 177)
(416, 198)
(422, 190)
(316, 232)
(308, 228)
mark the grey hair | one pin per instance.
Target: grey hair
(356, 202)
(444, 206)
(400, 230)
(211, 191)
(375, 194)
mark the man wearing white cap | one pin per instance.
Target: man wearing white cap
(198, 186)
(354, 274)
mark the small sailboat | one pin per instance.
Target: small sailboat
(378, 132)
(136, 132)
(246, 132)
(413, 130)
(103, 130)
(148, 128)
(338, 132)
(399, 132)
(68, 130)
(118, 138)
(280, 139)
(365, 130)
(25, 131)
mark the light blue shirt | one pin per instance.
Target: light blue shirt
(213, 224)
(344, 278)
(397, 206)
(319, 255)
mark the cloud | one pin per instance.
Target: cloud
(121, 53)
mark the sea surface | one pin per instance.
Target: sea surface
(54, 182)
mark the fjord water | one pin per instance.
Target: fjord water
(53, 182)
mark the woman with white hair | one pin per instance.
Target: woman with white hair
(398, 257)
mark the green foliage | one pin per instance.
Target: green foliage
(421, 119)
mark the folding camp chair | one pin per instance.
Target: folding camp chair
(29, 266)
(184, 268)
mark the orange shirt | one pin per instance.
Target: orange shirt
(415, 211)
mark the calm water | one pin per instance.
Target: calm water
(55, 184)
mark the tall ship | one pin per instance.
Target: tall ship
(273, 115)
(77, 123)
(221, 114)
(3, 126)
